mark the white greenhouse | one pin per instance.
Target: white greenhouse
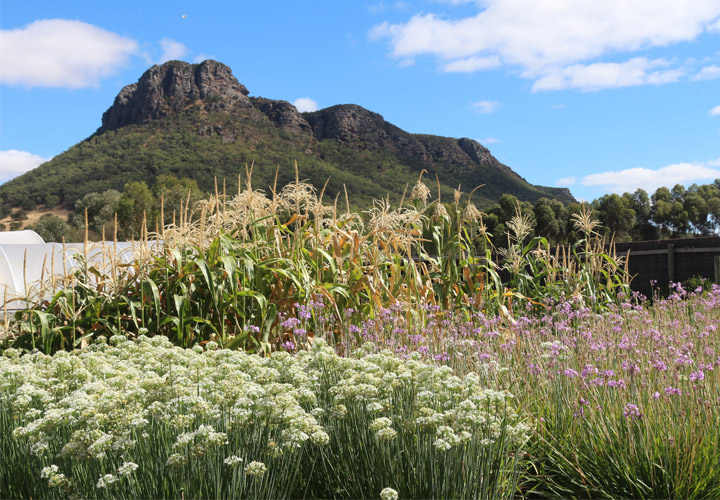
(29, 267)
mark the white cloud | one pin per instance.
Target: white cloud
(62, 53)
(14, 162)
(203, 57)
(485, 107)
(471, 64)
(708, 73)
(489, 140)
(629, 180)
(172, 50)
(565, 181)
(715, 111)
(598, 76)
(305, 104)
(542, 37)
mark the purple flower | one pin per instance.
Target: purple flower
(570, 373)
(698, 375)
(534, 369)
(673, 392)
(303, 312)
(660, 366)
(290, 323)
(632, 411)
(588, 370)
(288, 346)
(656, 395)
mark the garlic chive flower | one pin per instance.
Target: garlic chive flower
(256, 469)
(233, 461)
(389, 494)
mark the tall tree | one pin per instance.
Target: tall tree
(135, 205)
(550, 220)
(616, 216)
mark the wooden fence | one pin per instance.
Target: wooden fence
(665, 261)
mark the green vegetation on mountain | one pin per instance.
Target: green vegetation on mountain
(197, 122)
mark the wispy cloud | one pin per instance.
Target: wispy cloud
(172, 50)
(558, 44)
(565, 181)
(489, 140)
(62, 53)
(305, 104)
(471, 64)
(629, 180)
(485, 107)
(599, 76)
(707, 73)
(715, 111)
(14, 162)
(202, 57)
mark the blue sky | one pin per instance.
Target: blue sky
(599, 96)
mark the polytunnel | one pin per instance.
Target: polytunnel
(31, 268)
(25, 237)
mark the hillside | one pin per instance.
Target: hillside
(198, 121)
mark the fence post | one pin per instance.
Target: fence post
(671, 262)
(717, 269)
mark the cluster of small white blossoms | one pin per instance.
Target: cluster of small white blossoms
(125, 470)
(256, 469)
(389, 494)
(433, 399)
(196, 444)
(98, 403)
(55, 478)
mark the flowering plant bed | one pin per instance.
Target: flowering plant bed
(145, 419)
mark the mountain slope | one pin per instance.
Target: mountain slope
(198, 121)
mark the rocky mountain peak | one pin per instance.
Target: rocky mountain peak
(172, 87)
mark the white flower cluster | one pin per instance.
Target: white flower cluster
(98, 402)
(198, 442)
(101, 403)
(256, 469)
(233, 461)
(456, 410)
(389, 494)
(55, 478)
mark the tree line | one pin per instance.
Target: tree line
(667, 213)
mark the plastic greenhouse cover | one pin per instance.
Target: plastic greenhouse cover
(25, 237)
(26, 269)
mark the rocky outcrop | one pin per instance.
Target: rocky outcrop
(282, 114)
(476, 151)
(356, 127)
(172, 87)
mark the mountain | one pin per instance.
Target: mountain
(198, 121)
